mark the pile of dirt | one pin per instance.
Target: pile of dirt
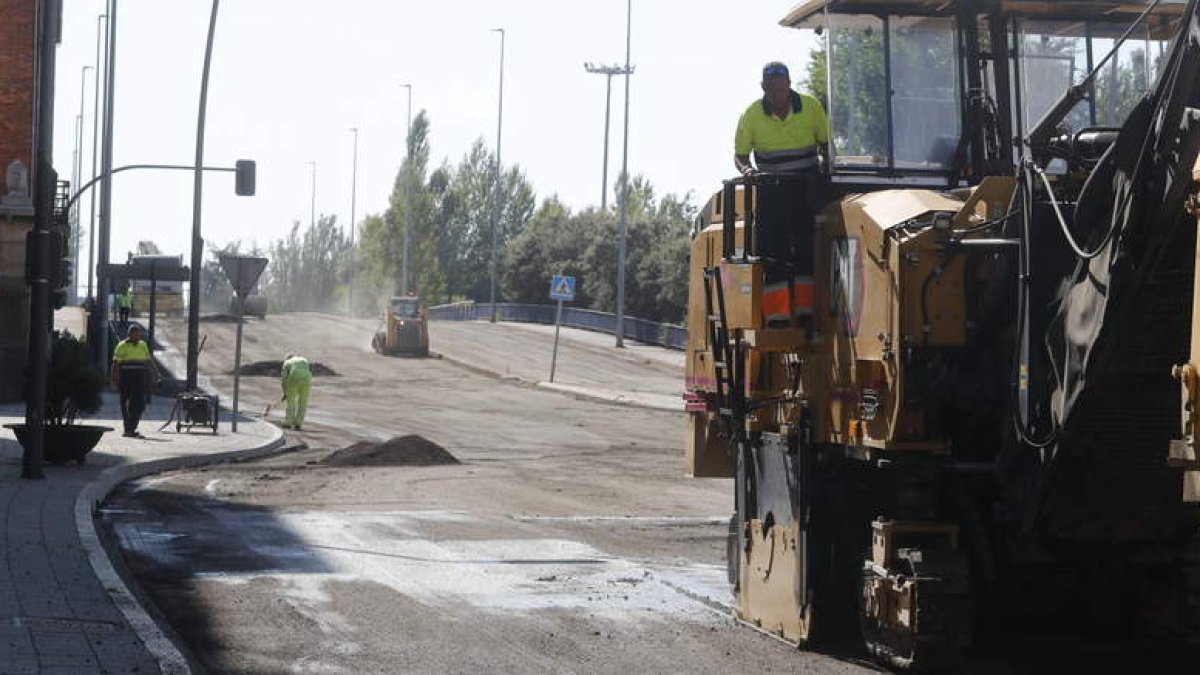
(272, 368)
(411, 450)
(218, 318)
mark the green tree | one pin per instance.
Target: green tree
(584, 245)
(380, 254)
(373, 281)
(307, 268)
(449, 215)
(552, 243)
(411, 206)
(464, 207)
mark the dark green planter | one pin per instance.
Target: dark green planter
(70, 443)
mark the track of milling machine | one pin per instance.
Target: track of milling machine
(989, 412)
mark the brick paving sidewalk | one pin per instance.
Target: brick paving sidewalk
(56, 615)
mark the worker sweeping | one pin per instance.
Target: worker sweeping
(296, 377)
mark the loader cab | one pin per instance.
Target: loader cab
(939, 94)
(406, 307)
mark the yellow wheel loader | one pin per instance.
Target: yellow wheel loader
(405, 329)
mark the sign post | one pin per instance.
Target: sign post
(243, 273)
(562, 289)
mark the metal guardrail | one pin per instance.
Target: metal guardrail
(650, 332)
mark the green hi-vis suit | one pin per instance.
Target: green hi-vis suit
(297, 376)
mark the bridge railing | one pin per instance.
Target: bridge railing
(650, 332)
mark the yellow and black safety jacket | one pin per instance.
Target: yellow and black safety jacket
(132, 353)
(787, 145)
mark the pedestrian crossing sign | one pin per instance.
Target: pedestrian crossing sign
(562, 288)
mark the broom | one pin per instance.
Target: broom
(267, 410)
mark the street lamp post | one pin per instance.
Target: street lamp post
(496, 206)
(620, 327)
(608, 72)
(193, 346)
(78, 168)
(407, 178)
(95, 140)
(76, 160)
(353, 204)
(78, 178)
(72, 215)
(104, 225)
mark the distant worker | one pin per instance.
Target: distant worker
(124, 304)
(132, 367)
(296, 379)
(788, 133)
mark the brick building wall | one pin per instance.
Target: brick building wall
(16, 81)
(17, 69)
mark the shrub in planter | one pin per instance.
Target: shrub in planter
(74, 383)
(73, 388)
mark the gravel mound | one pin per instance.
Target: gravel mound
(218, 318)
(411, 450)
(272, 368)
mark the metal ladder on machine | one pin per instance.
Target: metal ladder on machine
(728, 369)
(726, 352)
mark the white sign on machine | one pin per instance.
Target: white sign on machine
(562, 288)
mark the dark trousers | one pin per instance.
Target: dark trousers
(123, 314)
(785, 224)
(132, 386)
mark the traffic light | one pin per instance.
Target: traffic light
(245, 171)
(47, 256)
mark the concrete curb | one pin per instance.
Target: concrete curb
(572, 390)
(170, 659)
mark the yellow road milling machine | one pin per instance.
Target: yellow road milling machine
(405, 328)
(985, 411)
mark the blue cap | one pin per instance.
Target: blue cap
(774, 68)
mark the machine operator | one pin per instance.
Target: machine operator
(788, 134)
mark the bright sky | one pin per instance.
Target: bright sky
(291, 77)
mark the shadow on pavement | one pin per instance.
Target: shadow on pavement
(163, 541)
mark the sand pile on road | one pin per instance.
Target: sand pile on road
(272, 368)
(411, 450)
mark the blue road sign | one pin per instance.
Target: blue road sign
(562, 288)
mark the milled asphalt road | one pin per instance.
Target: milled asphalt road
(567, 540)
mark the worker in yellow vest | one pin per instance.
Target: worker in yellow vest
(124, 304)
(296, 377)
(788, 134)
(132, 368)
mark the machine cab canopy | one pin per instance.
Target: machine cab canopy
(897, 77)
(810, 12)
(406, 307)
